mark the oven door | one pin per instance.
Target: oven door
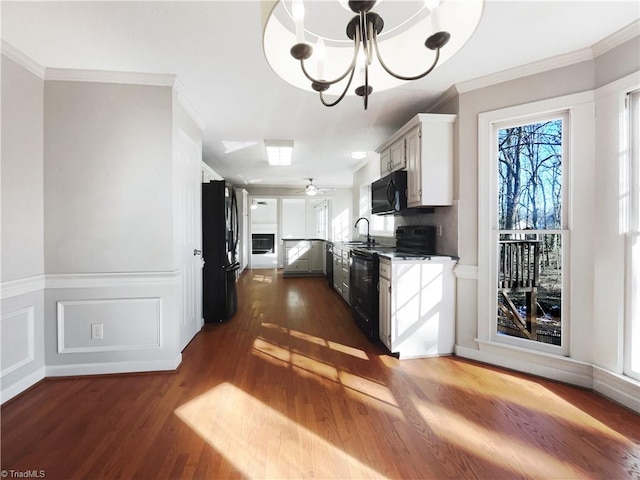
(363, 288)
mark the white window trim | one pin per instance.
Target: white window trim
(631, 147)
(487, 215)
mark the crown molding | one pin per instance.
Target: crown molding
(443, 99)
(551, 63)
(104, 76)
(12, 53)
(184, 103)
(618, 38)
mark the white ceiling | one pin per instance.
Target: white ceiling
(215, 49)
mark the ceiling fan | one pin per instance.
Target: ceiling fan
(311, 189)
(255, 203)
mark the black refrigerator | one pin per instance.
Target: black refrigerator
(220, 251)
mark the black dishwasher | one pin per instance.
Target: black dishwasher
(329, 263)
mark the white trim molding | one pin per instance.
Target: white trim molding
(116, 367)
(105, 76)
(555, 367)
(534, 68)
(23, 384)
(22, 286)
(106, 280)
(618, 38)
(28, 323)
(12, 53)
(184, 103)
(117, 309)
(619, 388)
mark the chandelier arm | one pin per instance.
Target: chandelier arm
(356, 47)
(341, 96)
(402, 77)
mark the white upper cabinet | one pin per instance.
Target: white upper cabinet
(424, 146)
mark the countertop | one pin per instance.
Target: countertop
(389, 252)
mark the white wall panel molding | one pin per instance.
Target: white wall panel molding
(17, 339)
(617, 38)
(115, 367)
(127, 324)
(619, 388)
(547, 64)
(105, 280)
(466, 272)
(562, 369)
(22, 286)
(103, 76)
(21, 59)
(20, 386)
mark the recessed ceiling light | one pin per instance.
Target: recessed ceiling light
(279, 152)
(358, 155)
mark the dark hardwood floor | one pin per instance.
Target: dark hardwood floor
(290, 388)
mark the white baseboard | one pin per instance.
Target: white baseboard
(21, 385)
(115, 367)
(620, 389)
(562, 369)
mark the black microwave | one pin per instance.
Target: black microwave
(389, 194)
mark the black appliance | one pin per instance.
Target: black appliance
(329, 263)
(411, 241)
(220, 251)
(363, 291)
(263, 242)
(389, 194)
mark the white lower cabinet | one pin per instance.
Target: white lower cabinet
(417, 306)
(303, 257)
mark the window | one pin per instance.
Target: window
(529, 269)
(632, 334)
(530, 235)
(381, 225)
(322, 219)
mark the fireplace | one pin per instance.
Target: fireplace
(263, 242)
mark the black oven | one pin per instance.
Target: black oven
(363, 290)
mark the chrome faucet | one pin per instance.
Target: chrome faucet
(369, 239)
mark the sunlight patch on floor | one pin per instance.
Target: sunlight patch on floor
(494, 446)
(263, 443)
(262, 278)
(338, 347)
(509, 388)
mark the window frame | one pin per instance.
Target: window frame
(577, 108)
(630, 141)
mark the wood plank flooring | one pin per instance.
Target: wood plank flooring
(290, 388)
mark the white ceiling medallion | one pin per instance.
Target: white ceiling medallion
(374, 46)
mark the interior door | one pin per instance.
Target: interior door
(187, 178)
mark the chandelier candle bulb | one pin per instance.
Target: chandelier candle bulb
(320, 52)
(298, 17)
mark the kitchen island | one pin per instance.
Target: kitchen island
(303, 257)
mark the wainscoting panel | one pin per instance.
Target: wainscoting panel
(126, 323)
(17, 334)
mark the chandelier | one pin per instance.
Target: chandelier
(446, 25)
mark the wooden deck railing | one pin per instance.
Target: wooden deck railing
(518, 272)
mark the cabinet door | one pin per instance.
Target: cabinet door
(414, 168)
(385, 312)
(397, 154)
(385, 162)
(317, 262)
(337, 270)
